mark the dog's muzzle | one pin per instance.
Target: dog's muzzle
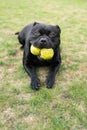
(43, 42)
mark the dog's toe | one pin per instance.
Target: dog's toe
(35, 84)
(49, 82)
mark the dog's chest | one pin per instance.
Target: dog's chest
(38, 61)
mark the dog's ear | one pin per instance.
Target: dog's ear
(58, 28)
(35, 23)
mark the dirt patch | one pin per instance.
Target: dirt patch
(30, 119)
(7, 116)
(25, 96)
(82, 107)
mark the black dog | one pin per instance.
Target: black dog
(41, 36)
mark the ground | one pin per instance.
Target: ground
(65, 106)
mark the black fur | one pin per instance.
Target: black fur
(42, 36)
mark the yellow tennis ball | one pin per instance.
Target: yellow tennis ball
(34, 50)
(47, 54)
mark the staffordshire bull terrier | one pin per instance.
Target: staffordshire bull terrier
(41, 36)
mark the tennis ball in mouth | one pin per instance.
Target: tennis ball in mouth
(34, 50)
(47, 53)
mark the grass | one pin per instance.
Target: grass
(65, 106)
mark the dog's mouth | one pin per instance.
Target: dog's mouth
(42, 43)
(40, 58)
(41, 46)
(42, 54)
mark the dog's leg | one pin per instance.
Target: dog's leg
(51, 77)
(54, 68)
(35, 82)
(30, 69)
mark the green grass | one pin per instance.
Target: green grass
(65, 106)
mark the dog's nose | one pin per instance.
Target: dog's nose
(43, 41)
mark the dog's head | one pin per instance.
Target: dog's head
(45, 36)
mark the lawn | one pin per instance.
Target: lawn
(65, 106)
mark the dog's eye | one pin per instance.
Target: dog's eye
(52, 35)
(36, 33)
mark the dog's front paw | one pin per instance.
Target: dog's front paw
(35, 83)
(49, 82)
